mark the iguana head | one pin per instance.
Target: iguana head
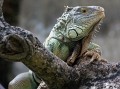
(77, 22)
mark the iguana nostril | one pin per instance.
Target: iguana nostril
(100, 8)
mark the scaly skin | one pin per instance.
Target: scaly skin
(69, 39)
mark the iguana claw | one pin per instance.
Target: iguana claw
(94, 56)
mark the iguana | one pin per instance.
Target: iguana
(69, 39)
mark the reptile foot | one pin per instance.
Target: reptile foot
(94, 56)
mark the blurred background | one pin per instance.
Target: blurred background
(39, 16)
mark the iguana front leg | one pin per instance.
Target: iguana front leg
(94, 52)
(71, 60)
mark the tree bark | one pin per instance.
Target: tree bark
(17, 44)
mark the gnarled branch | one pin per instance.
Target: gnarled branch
(17, 44)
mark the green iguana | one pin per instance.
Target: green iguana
(69, 39)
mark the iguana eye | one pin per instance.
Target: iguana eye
(84, 10)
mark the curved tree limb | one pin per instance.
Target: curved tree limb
(17, 44)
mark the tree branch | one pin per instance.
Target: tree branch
(17, 44)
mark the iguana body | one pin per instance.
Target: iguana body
(69, 38)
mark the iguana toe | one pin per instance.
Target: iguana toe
(94, 56)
